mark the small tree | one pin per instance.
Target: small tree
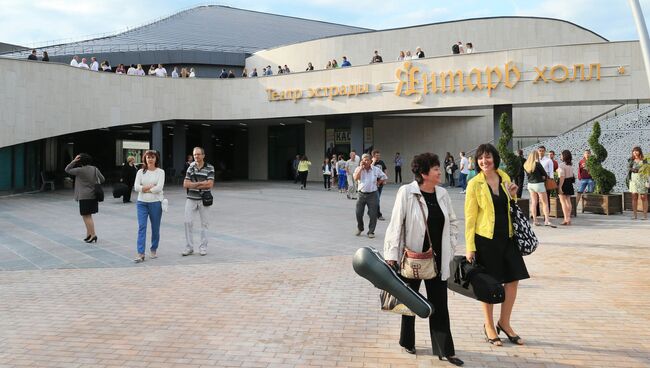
(604, 179)
(509, 159)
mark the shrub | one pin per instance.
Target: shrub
(508, 158)
(604, 179)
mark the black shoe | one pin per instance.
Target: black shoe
(513, 339)
(87, 238)
(453, 360)
(410, 350)
(495, 341)
(92, 239)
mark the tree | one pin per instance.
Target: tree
(604, 179)
(509, 159)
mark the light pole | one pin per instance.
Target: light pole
(643, 35)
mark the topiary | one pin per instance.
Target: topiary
(509, 159)
(604, 179)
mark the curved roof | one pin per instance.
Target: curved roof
(213, 28)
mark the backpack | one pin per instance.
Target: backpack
(455, 49)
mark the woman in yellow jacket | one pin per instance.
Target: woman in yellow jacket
(488, 237)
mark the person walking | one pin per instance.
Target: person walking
(303, 171)
(450, 168)
(327, 174)
(149, 183)
(294, 168)
(464, 171)
(423, 215)
(586, 182)
(398, 168)
(199, 178)
(351, 166)
(86, 176)
(536, 187)
(489, 238)
(638, 183)
(565, 189)
(377, 161)
(341, 170)
(127, 176)
(369, 178)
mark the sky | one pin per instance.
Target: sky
(34, 23)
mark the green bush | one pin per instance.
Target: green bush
(604, 179)
(508, 158)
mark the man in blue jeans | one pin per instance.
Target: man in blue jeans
(464, 171)
(586, 182)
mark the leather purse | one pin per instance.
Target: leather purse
(550, 184)
(415, 265)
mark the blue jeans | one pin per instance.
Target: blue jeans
(586, 186)
(462, 178)
(153, 211)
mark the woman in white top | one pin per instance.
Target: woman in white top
(192, 73)
(149, 183)
(565, 189)
(408, 55)
(401, 56)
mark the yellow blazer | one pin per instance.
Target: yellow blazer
(479, 209)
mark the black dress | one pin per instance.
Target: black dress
(567, 186)
(500, 255)
(442, 343)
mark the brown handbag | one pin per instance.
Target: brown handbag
(550, 184)
(415, 265)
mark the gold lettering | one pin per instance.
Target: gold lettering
(275, 96)
(540, 75)
(297, 94)
(398, 74)
(333, 91)
(269, 91)
(511, 67)
(313, 92)
(563, 78)
(452, 82)
(363, 89)
(591, 72)
(352, 90)
(324, 92)
(575, 71)
(489, 85)
(479, 83)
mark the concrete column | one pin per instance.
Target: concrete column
(315, 147)
(179, 146)
(356, 133)
(157, 140)
(497, 111)
(258, 151)
(208, 145)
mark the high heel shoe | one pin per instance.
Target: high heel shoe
(453, 360)
(92, 239)
(515, 339)
(495, 341)
(87, 237)
(140, 258)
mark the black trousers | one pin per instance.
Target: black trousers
(302, 175)
(442, 344)
(327, 181)
(520, 183)
(398, 174)
(127, 195)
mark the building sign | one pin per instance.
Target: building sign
(342, 136)
(413, 81)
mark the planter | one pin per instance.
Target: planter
(524, 205)
(556, 207)
(627, 202)
(605, 204)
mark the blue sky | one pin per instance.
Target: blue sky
(26, 22)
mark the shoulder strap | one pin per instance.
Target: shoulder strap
(97, 175)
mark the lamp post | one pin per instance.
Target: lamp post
(643, 35)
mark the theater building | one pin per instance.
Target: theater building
(549, 75)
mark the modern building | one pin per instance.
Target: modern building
(549, 75)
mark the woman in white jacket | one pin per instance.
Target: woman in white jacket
(407, 227)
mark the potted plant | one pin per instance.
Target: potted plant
(511, 164)
(601, 200)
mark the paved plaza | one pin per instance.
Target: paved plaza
(277, 289)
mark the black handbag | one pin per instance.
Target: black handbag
(206, 198)
(98, 190)
(119, 190)
(523, 233)
(473, 281)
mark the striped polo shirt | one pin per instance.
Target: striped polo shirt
(197, 175)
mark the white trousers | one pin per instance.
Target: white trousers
(193, 206)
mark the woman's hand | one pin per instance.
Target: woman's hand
(512, 189)
(470, 255)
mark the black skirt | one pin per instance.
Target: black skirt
(501, 258)
(88, 207)
(567, 186)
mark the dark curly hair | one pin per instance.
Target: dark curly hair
(422, 163)
(487, 148)
(85, 159)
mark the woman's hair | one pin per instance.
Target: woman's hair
(304, 158)
(340, 157)
(566, 157)
(487, 148)
(422, 163)
(85, 159)
(529, 165)
(130, 158)
(637, 149)
(147, 154)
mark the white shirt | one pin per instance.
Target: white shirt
(407, 217)
(74, 63)
(139, 72)
(161, 72)
(174, 74)
(131, 71)
(368, 178)
(352, 164)
(83, 65)
(155, 177)
(469, 50)
(192, 75)
(547, 164)
(464, 165)
(94, 66)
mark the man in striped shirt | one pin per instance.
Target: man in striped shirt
(198, 178)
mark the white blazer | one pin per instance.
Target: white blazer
(407, 215)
